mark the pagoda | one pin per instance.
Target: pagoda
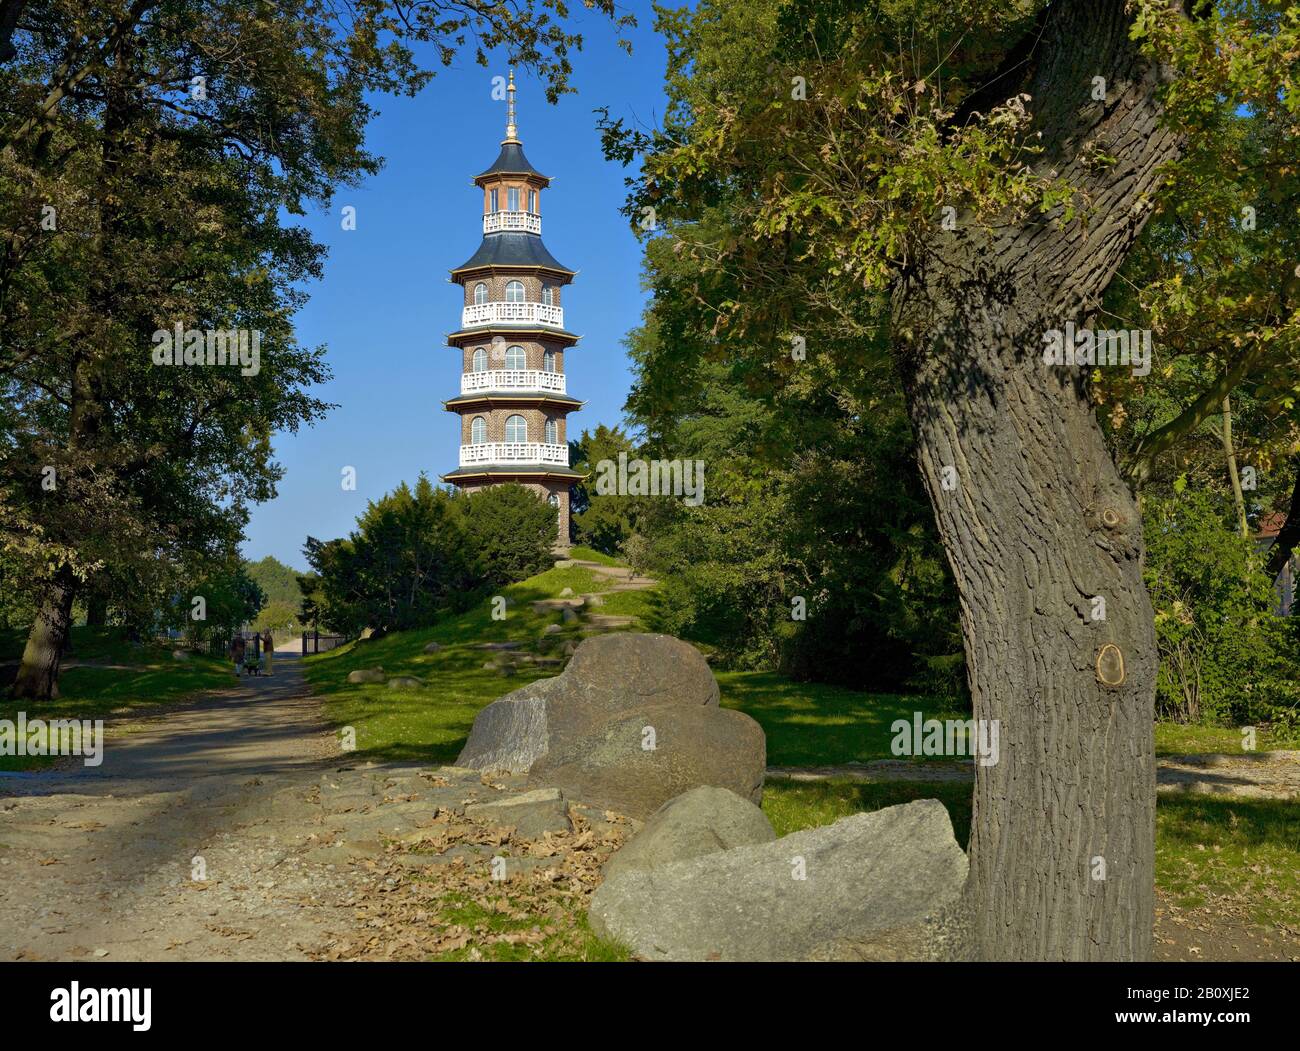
(512, 340)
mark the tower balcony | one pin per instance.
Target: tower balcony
(512, 222)
(513, 380)
(535, 313)
(514, 452)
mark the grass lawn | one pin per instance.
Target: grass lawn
(150, 677)
(1181, 739)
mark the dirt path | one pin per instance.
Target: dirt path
(235, 829)
(98, 861)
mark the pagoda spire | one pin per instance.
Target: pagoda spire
(512, 132)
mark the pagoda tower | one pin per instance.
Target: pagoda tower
(512, 340)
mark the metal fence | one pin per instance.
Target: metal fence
(315, 642)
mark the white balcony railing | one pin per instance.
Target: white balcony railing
(514, 452)
(520, 222)
(512, 379)
(538, 313)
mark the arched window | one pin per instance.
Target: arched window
(552, 432)
(548, 361)
(548, 296)
(516, 358)
(480, 360)
(478, 431)
(480, 294)
(515, 292)
(516, 429)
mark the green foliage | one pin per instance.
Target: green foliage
(278, 582)
(1225, 657)
(277, 616)
(509, 533)
(231, 599)
(416, 553)
(812, 504)
(600, 520)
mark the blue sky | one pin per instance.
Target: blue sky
(385, 302)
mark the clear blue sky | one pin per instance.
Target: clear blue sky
(385, 302)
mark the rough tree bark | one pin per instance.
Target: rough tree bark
(1037, 521)
(38, 674)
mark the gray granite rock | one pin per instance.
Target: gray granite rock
(615, 767)
(701, 821)
(873, 886)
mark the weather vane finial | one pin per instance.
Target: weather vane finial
(512, 133)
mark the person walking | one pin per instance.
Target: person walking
(268, 644)
(237, 646)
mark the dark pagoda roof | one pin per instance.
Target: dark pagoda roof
(512, 249)
(511, 161)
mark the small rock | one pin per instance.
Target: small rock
(530, 813)
(404, 682)
(431, 647)
(362, 675)
(701, 821)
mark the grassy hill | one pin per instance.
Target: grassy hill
(805, 723)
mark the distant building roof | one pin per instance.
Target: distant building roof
(1270, 525)
(513, 249)
(511, 161)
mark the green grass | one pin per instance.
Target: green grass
(573, 941)
(1247, 849)
(153, 678)
(590, 554)
(643, 604)
(795, 805)
(1184, 739)
(814, 724)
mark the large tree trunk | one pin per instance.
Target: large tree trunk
(97, 608)
(38, 675)
(1037, 523)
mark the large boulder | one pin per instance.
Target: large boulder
(634, 763)
(701, 821)
(364, 675)
(873, 886)
(609, 675)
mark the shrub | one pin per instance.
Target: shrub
(1226, 657)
